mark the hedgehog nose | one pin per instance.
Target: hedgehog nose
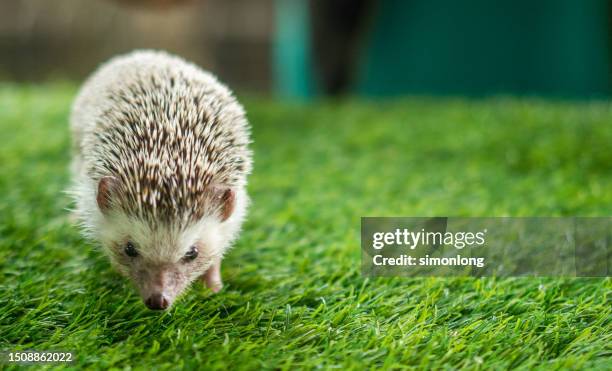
(157, 302)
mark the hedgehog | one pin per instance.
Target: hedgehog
(159, 171)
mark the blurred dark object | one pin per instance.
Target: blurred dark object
(338, 28)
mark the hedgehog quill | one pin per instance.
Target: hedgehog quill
(160, 164)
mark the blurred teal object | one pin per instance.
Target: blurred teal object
(292, 66)
(477, 47)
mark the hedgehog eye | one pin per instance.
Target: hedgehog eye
(191, 254)
(130, 249)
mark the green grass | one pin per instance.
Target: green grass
(294, 295)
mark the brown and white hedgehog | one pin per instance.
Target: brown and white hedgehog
(160, 168)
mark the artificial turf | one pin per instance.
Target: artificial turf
(294, 294)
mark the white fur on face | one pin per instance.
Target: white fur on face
(160, 266)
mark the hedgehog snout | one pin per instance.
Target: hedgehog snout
(157, 301)
(159, 286)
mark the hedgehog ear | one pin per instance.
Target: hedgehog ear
(226, 198)
(106, 188)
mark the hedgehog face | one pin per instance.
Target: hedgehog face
(162, 256)
(161, 260)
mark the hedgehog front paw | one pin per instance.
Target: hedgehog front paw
(212, 277)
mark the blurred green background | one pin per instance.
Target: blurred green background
(305, 48)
